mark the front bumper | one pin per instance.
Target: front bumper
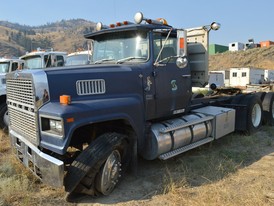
(47, 168)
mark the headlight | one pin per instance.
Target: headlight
(56, 125)
(52, 126)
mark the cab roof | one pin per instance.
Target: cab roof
(129, 27)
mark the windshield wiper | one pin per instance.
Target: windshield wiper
(129, 59)
(102, 60)
(167, 59)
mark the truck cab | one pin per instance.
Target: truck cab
(43, 59)
(6, 66)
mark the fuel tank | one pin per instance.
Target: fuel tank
(175, 133)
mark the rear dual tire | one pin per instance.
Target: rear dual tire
(254, 113)
(268, 109)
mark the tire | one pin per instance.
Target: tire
(254, 113)
(268, 109)
(237, 98)
(261, 95)
(4, 117)
(86, 173)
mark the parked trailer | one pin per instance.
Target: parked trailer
(82, 127)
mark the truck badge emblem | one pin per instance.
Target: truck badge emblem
(16, 75)
(173, 85)
(149, 83)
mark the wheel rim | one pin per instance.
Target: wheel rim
(110, 173)
(6, 118)
(256, 115)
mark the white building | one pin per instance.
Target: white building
(243, 76)
(269, 75)
(221, 77)
(236, 46)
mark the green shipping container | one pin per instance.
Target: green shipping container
(216, 48)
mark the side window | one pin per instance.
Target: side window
(14, 66)
(47, 60)
(60, 61)
(169, 49)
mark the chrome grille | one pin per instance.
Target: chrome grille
(21, 107)
(90, 87)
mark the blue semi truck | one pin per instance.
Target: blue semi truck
(81, 127)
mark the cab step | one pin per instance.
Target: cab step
(185, 148)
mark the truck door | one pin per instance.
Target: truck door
(173, 84)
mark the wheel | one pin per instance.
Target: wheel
(98, 169)
(268, 109)
(261, 95)
(109, 174)
(236, 99)
(254, 113)
(4, 117)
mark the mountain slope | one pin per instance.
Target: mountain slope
(68, 35)
(257, 57)
(65, 35)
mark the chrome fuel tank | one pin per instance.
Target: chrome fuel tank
(175, 133)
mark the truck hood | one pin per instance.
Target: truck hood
(94, 81)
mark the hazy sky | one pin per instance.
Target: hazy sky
(240, 19)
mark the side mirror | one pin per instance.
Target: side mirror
(181, 62)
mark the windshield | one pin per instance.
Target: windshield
(4, 67)
(79, 59)
(33, 62)
(120, 47)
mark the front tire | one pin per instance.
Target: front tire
(97, 170)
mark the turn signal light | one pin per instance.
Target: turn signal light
(65, 99)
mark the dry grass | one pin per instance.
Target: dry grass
(234, 170)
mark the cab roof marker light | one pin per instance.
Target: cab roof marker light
(123, 23)
(127, 22)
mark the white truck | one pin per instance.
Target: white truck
(37, 59)
(43, 59)
(6, 66)
(78, 58)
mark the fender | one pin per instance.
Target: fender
(90, 112)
